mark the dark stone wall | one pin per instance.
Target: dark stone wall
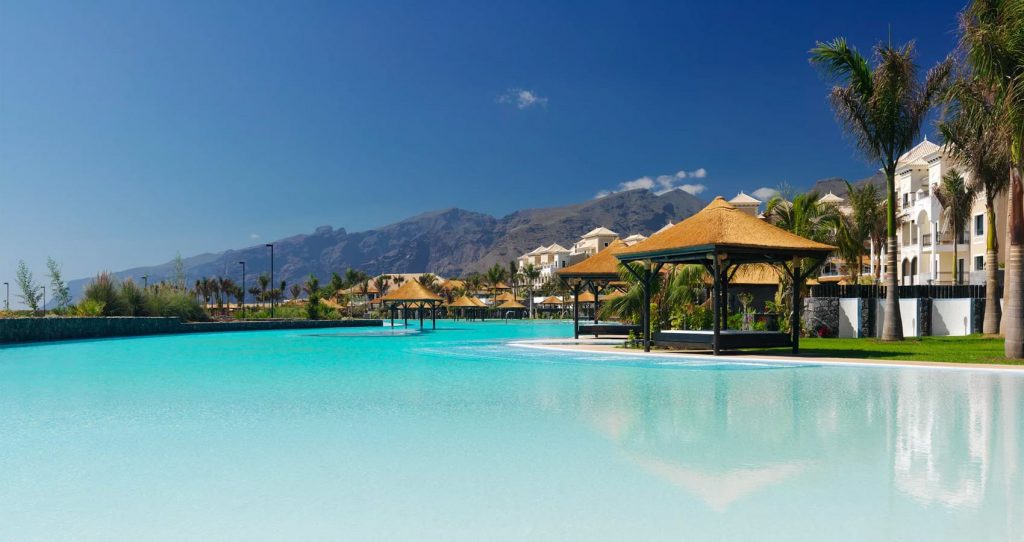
(924, 316)
(977, 315)
(821, 316)
(20, 330)
(868, 316)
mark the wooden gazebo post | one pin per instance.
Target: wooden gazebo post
(575, 288)
(797, 280)
(716, 305)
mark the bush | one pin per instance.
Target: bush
(104, 296)
(174, 302)
(88, 307)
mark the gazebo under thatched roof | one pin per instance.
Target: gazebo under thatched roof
(467, 306)
(594, 274)
(514, 306)
(412, 295)
(463, 302)
(503, 297)
(722, 238)
(551, 300)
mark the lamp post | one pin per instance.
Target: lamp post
(44, 300)
(243, 289)
(7, 302)
(271, 246)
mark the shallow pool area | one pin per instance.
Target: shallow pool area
(457, 434)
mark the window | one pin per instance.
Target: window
(979, 263)
(960, 267)
(979, 225)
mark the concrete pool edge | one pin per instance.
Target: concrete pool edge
(588, 346)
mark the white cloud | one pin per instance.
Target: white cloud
(764, 193)
(662, 183)
(522, 98)
(254, 236)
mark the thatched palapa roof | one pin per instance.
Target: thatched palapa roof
(552, 300)
(410, 291)
(723, 227)
(511, 305)
(464, 302)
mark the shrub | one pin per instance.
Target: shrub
(133, 299)
(103, 291)
(174, 302)
(88, 307)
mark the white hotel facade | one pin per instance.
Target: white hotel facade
(924, 245)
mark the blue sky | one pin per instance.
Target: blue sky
(130, 131)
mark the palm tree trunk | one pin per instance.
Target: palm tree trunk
(956, 257)
(892, 323)
(992, 309)
(1013, 315)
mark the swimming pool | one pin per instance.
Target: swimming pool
(457, 435)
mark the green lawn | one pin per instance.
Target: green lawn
(970, 349)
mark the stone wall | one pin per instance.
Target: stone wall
(19, 330)
(821, 316)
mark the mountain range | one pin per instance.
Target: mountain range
(449, 242)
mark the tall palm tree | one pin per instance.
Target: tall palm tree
(882, 109)
(957, 199)
(381, 284)
(992, 36)
(495, 276)
(867, 209)
(264, 283)
(530, 276)
(296, 290)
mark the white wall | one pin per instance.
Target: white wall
(908, 312)
(951, 316)
(849, 317)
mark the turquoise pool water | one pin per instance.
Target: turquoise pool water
(456, 435)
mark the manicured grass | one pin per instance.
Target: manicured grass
(970, 349)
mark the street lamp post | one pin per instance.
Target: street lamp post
(271, 245)
(243, 289)
(44, 300)
(7, 302)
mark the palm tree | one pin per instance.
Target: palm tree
(381, 283)
(296, 290)
(868, 214)
(264, 282)
(976, 136)
(993, 40)
(956, 198)
(530, 276)
(882, 109)
(495, 276)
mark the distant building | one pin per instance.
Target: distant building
(591, 243)
(747, 204)
(547, 260)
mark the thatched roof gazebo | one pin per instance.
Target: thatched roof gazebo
(722, 237)
(593, 274)
(412, 295)
(467, 305)
(512, 305)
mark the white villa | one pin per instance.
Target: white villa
(548, 259)
(925, 247)
(591, 243)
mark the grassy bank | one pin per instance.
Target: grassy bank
(970, 349)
